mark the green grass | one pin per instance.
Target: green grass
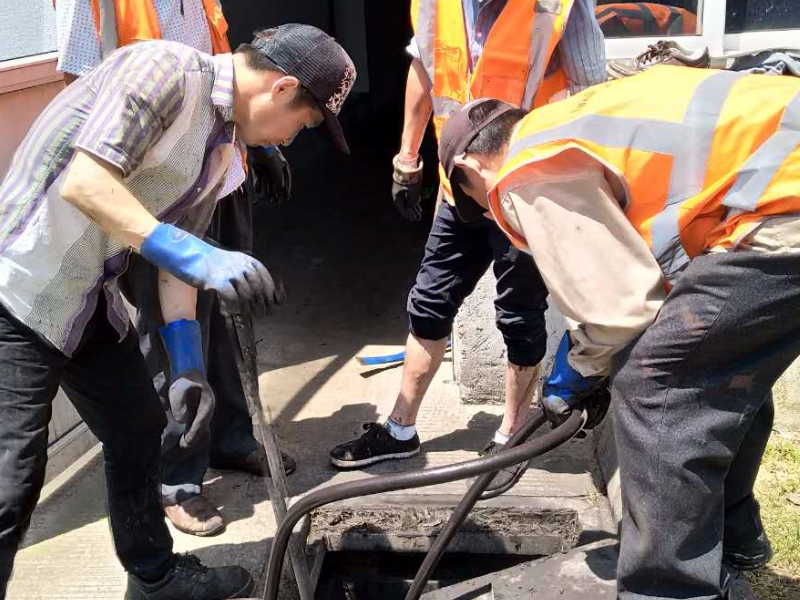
(778, 479)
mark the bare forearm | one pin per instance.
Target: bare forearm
(178, 299)
(418, 108)
(95, 188)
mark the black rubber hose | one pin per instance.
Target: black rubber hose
(556, 437)
(400, 481)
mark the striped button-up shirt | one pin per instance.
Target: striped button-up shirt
(159, 111)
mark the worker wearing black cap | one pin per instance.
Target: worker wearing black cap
(132, 157)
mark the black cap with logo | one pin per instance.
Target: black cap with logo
(320, 64)
(459, 131)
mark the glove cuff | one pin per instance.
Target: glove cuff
(175, 250)
(404, 174)
(183, 341)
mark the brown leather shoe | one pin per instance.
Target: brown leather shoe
(250, 463)
(195, 516)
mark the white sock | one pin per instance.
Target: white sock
(500, 437)
(400, 432)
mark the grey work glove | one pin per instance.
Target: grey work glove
(270, 175)
(407, 189)
(192, 402)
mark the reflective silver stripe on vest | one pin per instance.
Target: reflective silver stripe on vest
(108, 27)
(649, 135)
(688, 142)
(542, 33)
(758, 172)
(689, 167)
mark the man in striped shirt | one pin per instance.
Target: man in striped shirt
(232, 445)
(133, 157)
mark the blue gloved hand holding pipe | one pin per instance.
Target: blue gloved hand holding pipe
(565, 388)
(242, 282)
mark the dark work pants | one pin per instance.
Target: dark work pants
(182, 471)
(692, 409)
(456, 257)
(110, 387)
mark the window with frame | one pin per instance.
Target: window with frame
(27, 29)
(761, 15)
(649, 19)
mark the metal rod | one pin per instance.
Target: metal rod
(240, 330)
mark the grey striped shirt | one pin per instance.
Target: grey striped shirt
(159, 111)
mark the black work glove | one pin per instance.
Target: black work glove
(407, 189)
(270, 175)
(595, 402)
(192, 402)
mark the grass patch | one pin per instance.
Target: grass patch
(778, 479)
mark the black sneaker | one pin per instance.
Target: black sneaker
(751, 557)
(506, 478)
(375, 445)
(189, 579)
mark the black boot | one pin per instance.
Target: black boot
(748, 557)
(188, 579)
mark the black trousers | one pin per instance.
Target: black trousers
(110, 387)
(182, 471)
(456, 257)
(692, 409)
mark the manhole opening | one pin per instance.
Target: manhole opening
(388, 575)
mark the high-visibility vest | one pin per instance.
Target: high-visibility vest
(700, 156)
(644, 18)
(515, 65)
(122, 22)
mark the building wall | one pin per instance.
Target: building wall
(19, 109)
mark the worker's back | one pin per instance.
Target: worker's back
(701, 155)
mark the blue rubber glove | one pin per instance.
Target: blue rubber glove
(565, 388)
(244, 285)
(190, 397)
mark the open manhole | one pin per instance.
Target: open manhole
(388, 575)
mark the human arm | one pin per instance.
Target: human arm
(407, 167)
(582, 48)
(126, 120)
(598, 269)
(191, 398)
(417, 112)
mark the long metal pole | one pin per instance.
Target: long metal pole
(240, 329)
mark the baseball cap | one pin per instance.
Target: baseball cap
(320, 64)
(461, 128)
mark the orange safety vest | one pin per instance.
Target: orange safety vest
(137, 20)
(644, 18)
(702, 156)
(515, 65)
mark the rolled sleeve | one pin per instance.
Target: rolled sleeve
(598, 269)
(582, 49)
(136, 102)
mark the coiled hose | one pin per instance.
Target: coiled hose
(518, 450)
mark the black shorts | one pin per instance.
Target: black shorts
(456, 257)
